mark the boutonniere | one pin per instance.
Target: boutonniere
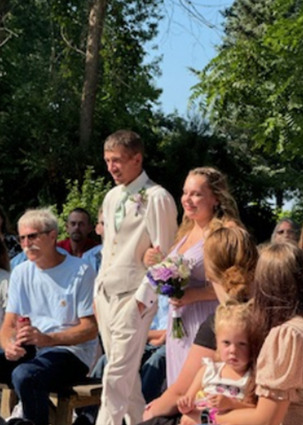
(140, 199)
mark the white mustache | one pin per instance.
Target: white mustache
(27, 249)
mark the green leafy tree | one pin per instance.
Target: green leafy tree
(42, 63)
(88, 195)
(254, 84)
(251, 92)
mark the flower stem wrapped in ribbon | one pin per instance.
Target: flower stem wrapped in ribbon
(170, 277)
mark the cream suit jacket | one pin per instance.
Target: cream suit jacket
(153, 224)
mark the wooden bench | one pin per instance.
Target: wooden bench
(62, 404)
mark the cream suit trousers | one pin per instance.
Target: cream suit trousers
(124, 334)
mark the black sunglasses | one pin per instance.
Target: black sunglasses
(31, 236)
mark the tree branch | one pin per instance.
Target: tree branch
(68, 43)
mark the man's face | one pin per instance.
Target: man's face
(123, 165)
(36, 243)
(285, 233)
(78, 226)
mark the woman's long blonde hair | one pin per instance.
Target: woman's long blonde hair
(225, 211)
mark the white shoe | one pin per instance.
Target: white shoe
(17, 412)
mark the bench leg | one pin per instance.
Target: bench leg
(64, 412)
(8, 401)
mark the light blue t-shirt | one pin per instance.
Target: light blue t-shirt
(160, 320)
(94, 257)
(55, 299)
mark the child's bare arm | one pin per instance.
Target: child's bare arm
(186, 403)
(196, 385)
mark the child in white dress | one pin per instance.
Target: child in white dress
(228, 384)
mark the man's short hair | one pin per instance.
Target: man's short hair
(42, 219)
(81, 211)
(127, 139)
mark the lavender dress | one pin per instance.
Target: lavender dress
(192, 314)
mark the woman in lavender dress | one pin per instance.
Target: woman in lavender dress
(207, 204)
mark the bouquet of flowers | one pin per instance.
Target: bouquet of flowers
(170, 277)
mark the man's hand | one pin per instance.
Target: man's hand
(152, 256)
(30, 335)
(13, 351)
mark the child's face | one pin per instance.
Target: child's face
(233, 346)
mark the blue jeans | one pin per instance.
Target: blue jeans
(34, 378)
(153, 372)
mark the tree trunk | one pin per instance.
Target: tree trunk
(89, 90)
(279, 198)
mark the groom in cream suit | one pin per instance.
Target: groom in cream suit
(138, 215)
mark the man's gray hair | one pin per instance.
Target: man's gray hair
(42, 219)
(127, 139)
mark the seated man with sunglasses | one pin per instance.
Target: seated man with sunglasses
(55, 292)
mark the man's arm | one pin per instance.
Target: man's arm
(12, 349)
(84, 331)
(161, 221)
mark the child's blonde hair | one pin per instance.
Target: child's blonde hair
(233, 314)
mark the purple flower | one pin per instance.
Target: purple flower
(167, 289)
(162, 273)
(151, 279)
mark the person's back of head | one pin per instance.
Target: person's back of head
(230, 257)
(278, 284)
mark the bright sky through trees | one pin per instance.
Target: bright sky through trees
(186, 41)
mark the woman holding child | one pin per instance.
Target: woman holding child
(206, 202)
(278, 321)
(230, 258)
(277, 318)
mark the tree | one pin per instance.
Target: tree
(88, 195)
(252, 91)
(41, 82)
(89, 91)
(254, 84)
